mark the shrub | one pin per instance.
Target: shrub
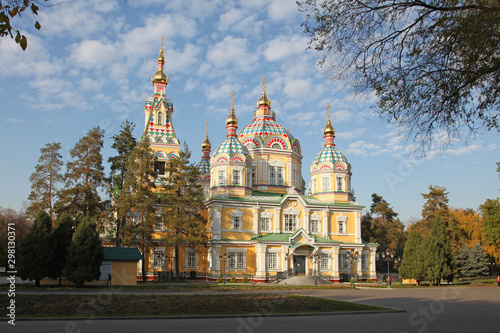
(245, 280)
(369, 280)
(233, 280)
(219, 280)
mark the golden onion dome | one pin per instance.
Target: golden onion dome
(160, 76)
(329, 129)
(206, 144)
(264, 101)
(232, 119)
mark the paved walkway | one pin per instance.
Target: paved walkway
(444, 309)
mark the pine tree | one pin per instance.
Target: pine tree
(36, 253)
(137, 199)
(412, 266)
(436, 206)
(124, 143)
(472, 261)
(84, 177)
(62, 234)
(183, 199)
(45, 180)
(85, 254)
(438, 260)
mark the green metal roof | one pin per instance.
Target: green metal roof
(122, 254)
(286, 238)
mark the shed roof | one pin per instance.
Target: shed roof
(122, 254)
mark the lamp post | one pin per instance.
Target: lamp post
(223, 260)
(353, 258)
(389, 257)
(287, 266)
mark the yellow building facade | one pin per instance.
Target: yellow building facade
(262, 219)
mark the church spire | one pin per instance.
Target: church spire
(232, 120)
(329, 130)
(206, 145)
(160, 76)
(264, 101)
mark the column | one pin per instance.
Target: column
(277, 222)
(358, 227)
(373, 271)
(307, 219)
(325, 223)
(217, 215)
(261, 260)
(256, 226)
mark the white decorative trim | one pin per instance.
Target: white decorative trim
(277, 250)
(236, 249)
(263, 198)
(315, 216)
(266, 214)
(291, 211)
(237, 213)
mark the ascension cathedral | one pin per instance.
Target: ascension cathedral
(262, 219)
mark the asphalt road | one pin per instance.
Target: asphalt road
(446, 309)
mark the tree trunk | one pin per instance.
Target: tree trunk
(176, 258)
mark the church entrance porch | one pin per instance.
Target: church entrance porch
(299, 264)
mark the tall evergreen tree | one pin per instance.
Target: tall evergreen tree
(412, 266)
(439, 260)
(9, 217)
(45, 180)
(62, 234)
(85, 254)
(84, 177)
(472, 261)
(184, 202)
(137, 199)
(124, 143)
(436, 206)
(36, 252)
(491, 227)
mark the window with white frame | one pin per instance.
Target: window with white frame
(265, 223)
(364, 262)
(280, 173)
(236, 260)
(231, 260)
(343, 263)
(314, 186)
(325, 184)
(324, 263)
(191, 259)
(160, 118)
(290, 222)
(342, 224)
(340, 184)
(158, 259)
(236, 177)
(272, 175)
(273, 260)
(222, 178)
(315, 226)
(249, 178)
(237, 223)
(240, 260)
(159, 224)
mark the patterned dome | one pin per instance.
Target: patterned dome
(204, 167)
(231, 146)
(262, 128)
(329, 154)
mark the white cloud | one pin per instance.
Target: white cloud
(341, 116)
(232, 51)
(93, 54)
(191, 84)
(299, 88)
(353, 134)
(304, 119)
(285, 46)
(14, 120)
(363, 148)
(282, 9)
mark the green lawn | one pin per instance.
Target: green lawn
(109, 304)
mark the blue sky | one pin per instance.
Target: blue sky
(91, 65)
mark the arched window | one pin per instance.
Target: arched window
(276, 146)
(160, 118)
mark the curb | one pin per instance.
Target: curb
(255, 314)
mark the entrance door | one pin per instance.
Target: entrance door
(299, 264)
